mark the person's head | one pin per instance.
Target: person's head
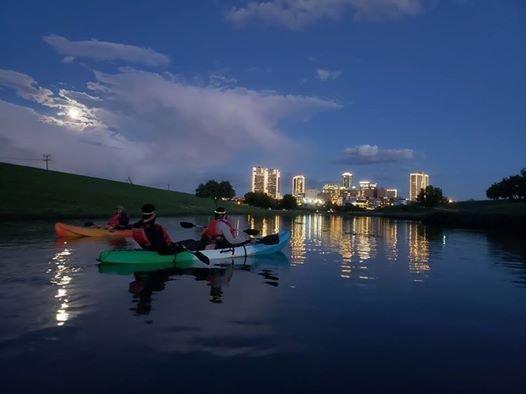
(119, 209)
(148, 213)
(220, 213)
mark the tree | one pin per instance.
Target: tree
(216, 190)
(260, 200)
(511, 188)
(289, 202)
(431, 196)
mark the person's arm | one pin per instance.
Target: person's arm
(224, 230)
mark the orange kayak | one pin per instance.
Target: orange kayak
(63, 230)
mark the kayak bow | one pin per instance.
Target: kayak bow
(63, 230)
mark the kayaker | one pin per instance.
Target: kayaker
(220, 233)
(152, 236)
(119, 220)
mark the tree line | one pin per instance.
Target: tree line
(510, 188)
(224, 190)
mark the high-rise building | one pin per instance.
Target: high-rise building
(273, 177)
(417, 182)
(298, 186)
(347, 180)
(392, 194)
(259, 180)
(266, 180)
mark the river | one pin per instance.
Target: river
(363, 305)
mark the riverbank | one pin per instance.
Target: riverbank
(467, 214)
(32, 193)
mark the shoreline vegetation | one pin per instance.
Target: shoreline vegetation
(30, 193)
(485, 214)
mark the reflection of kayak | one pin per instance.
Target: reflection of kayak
(186, 259)
(267, 260)
(69, 231)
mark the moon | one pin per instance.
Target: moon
(74, 113)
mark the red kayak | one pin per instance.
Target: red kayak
(63, 230)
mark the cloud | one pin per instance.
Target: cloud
(24, 86)
(154, 128)
(326, 75)
(105, 51)
(296, 14)
(373, 154)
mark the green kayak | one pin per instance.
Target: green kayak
(188, 259)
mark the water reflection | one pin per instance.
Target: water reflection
(153, 280)
(418, 251)
(361, 241)
(61, 270)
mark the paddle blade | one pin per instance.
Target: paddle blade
(187, 224)
(201, 257)
(251, 232)
(272, 239)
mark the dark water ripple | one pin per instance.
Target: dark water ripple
(366, 305)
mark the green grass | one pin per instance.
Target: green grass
(484, 207)
(481, 214)
(32, 193)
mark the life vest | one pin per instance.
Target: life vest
(152, 237)
(115, 220)
(211, 231)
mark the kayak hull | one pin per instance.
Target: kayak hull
(187, 259)
(63, 230)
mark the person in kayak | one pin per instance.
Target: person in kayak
(119, 220)
(152, 236)
(220, 233)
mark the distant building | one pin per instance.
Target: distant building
(259, 180)
(273, 189)
(266, 180)
(417, 182)
(347, 180)
(391, 194)
(312, 197)
(298, 186)
(334, 193)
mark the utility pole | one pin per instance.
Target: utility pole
(168, 186)
(47, 159)
(130, 181)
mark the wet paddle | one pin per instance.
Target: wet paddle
(200, 256)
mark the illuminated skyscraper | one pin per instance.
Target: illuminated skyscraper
(266, 180)
(347, 180)
(273, 177)
(417, 182)
(259, 180)
(298, 186)
(392, 194)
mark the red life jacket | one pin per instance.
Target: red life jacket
(163, 238)
(211, 231)
(115, 220)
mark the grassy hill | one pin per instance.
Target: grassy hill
(32, 193)
(478, 214)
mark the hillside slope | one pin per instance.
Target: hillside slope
(32, 193)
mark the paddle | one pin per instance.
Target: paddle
(250, 231)
(272, 239)
(200, 256)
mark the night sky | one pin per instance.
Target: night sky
(182, 91)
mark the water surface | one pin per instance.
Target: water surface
(365, 305)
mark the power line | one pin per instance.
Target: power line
(47, 159)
